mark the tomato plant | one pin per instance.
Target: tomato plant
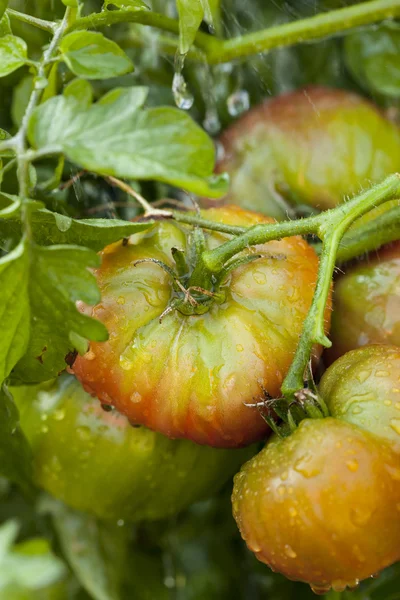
(117, 119)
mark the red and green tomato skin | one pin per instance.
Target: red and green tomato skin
(191, 376)
(97, 462)
(363, 387)
(315, 146)
(323, 505)
(367, 303)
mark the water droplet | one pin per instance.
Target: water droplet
(284, 475)
(259, 277)
(211, 122)
(239, 347)
(136, 397)
(292, 511)
(387, 402)
(44, 429)
(183, 97)
(238, 102)
(89, 355)
(319, 589)
(360, 515)
(395, 390)
(121, 300)
(120, 522)
(126, 365)
(59, 414)
(308, 466)
(363, 376)
(83, 433)
(352, 465)
(395, 425)
(382, 373)
(290, 553)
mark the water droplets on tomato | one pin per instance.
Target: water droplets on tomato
(395, 425)
(290, 553)
(352, 465)
(363, 376)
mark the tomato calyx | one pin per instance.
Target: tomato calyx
(306, 403)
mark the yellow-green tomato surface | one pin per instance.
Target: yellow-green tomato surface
(194, 376)
(97, 462)
(314, 146)
(363, 387)
(322, 506)
(367, 303)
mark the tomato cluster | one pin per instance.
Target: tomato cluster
(191, 358)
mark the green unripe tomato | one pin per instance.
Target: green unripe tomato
(363, 388)
(367, 303)
(97, 462)
(314, 146)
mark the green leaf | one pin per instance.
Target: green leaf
(13, 54)
(15, 452)
(26, 567)
(3, 6)
(373, 57)
(127, 4)
(114, 137)
(4, 135)
(89, 54)
(50, 228)
(59, 278)
(95, 550)
(14, 308)
(81, 90)
(191, 14)
(5, 25)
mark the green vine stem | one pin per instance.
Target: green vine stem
(330, 227)
(49, 26)
(217, 51)
(310, 29)
(18, 142)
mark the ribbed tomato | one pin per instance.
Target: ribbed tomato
(367, 303)
(97, 462)
(191, 375)
(322, 505)
(314, 146)
(363, 388)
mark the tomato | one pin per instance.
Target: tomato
(363, 387)
(95, 461)
(191, 376)
(322, 505)
(314, 146)
(367, 303)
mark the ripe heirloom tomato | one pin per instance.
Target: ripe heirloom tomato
(314, 146)
(367, 303)
(363, 388)
(97, 462)
(191, 376)
(322, 505)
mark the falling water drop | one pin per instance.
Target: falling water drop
(238, 102)
(182, 95)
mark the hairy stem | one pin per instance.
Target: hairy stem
(216, 51)
(19, 140)
(332, 228)
(310, 29)
(49, 26)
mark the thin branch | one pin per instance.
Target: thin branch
(48, 26)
